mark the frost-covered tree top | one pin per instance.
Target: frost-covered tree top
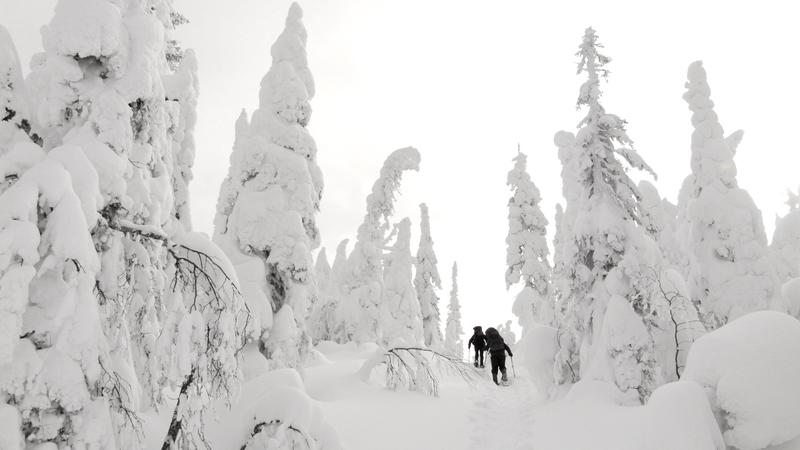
(712, 153)
(603, 136)
(365, 283)
(721, 227)
(453, 331)
(427, 281)
(380, 201)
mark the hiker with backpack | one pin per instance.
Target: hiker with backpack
(478, 339)
(497, 353)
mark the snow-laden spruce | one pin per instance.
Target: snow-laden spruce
(730, 271)
(148, 309)
(267, 204)
(399, 309)
(606, 331)
(53, 354)
(322, 319)
(358, 314)
(427, 281)
(322, 273)
(526, 249)
(453, 343)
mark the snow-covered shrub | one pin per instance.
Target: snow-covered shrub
(426, 282)
(750, 369)
(417, 369)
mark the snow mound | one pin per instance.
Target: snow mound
(275, 402)
(790, 291)
(751, 371)
(678, 416)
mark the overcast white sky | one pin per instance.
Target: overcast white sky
(465, 81)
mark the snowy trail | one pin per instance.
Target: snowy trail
(502, 417)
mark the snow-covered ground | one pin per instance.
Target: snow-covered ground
(590, 414)
(369, 416)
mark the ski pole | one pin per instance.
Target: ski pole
(513, 369)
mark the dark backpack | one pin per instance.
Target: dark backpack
(495, 342)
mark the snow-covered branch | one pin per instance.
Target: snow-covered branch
(419, 369)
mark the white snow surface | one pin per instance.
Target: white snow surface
(751, 371)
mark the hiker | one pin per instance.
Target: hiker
(497, 353)
(478, 339)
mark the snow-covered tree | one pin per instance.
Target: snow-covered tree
(453, 331)
(508, 334)
(427, 281)
(660, 218)
(151, 311)
(53, 353)
(316, 325)
(322, 269)
(721, 228)
(400, 315)
(785, 245)
(608, 317)
(268, 202)
(526, 251)
(359, 317)
(339, 311)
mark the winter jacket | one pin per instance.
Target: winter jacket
(478, 339)
(496, 342)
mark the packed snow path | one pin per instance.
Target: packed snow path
(502, 416)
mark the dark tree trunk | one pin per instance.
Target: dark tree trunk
(176, 425)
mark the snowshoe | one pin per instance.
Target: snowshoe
(475, 364)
